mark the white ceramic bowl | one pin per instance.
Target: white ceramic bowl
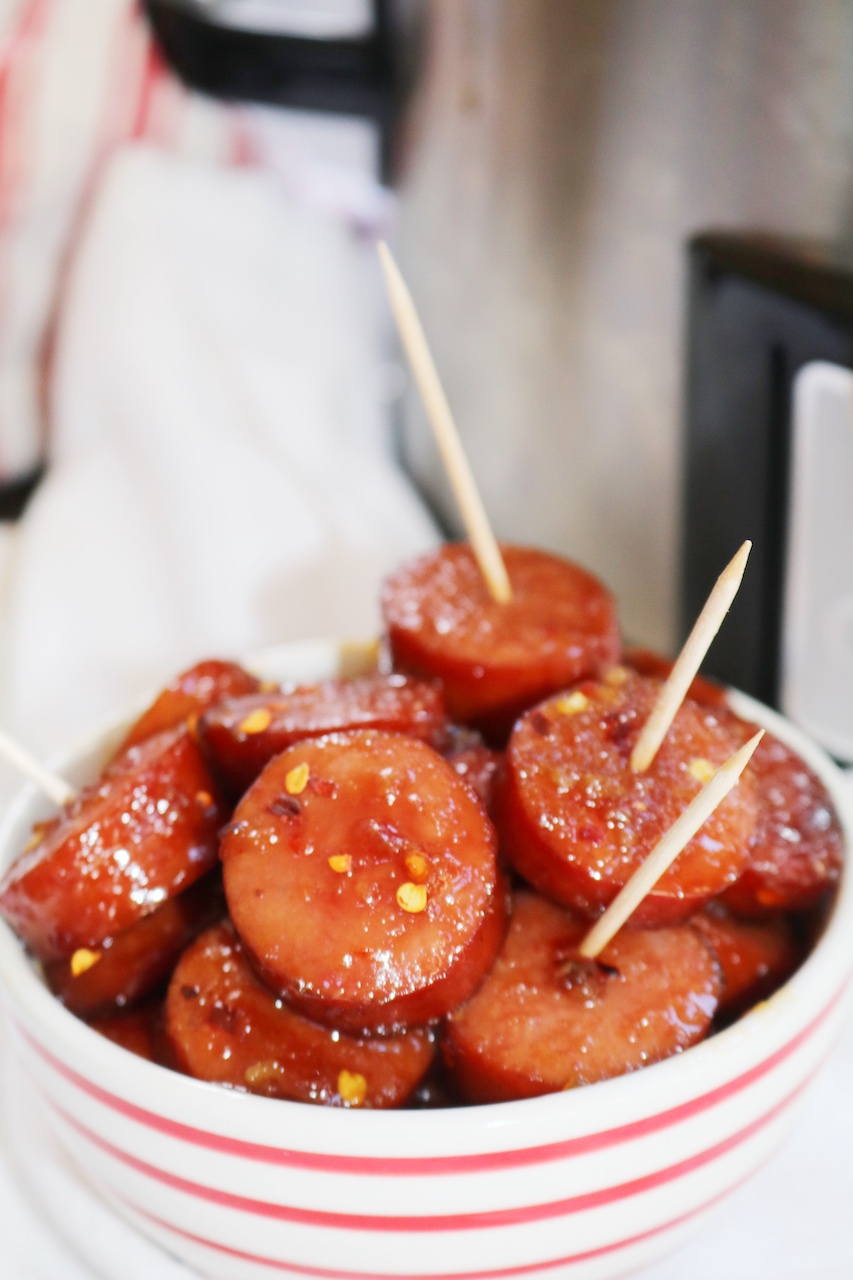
(585, 1184)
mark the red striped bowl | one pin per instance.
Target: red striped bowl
(586, 1184)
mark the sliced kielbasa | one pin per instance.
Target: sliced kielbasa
(496, 660)
(225, 1026)
(361, 875)
(576, 822)
(138, 1030)
(796, 853)
(546, 1019)
(189, 694)
(756, 956)
(242, 734)
(123, 969)
(119, 849)
(702, 689)
(477, 765)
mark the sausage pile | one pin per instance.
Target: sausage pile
(371, 892)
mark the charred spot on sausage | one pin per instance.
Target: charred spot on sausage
(286, 807)
(224, 1016)
(588, 976)
(619, 730)
(230, 829)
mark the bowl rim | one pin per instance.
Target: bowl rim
(798, 1006)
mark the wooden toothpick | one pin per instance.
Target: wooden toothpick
(55, 788)
(667, 850)
(470, 504)
(689, 661)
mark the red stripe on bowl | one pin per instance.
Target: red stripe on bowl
(324, 1273)
(411, 1223)
(383, 1166)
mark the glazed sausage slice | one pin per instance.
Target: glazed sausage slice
(576, 821)
(126, 967)
(433, 1093)
(243, 734)
(646, 662)
(143, 832)
(361, 875)
(477, 765)
(496, 660)
(226, 1027)
(189, 694)
(756, 956)
(545, 1019)
(797, 852)
(137, 1030)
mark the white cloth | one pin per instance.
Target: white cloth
(221, 474)
(78, 78)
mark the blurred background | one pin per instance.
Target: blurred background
(554, 159)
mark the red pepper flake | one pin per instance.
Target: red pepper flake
(591, 834)
(322, 787)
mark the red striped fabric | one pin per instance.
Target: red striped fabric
(18, 84)
(46, 191)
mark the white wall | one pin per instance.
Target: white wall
(555, 157)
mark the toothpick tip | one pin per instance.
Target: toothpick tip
(732, 576)
(750, 746)
(742, 553)
(736, 764)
